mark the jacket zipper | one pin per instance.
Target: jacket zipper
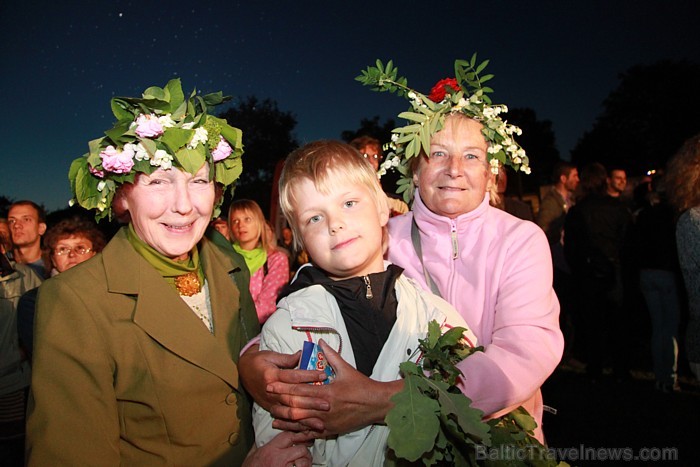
(322, 329)
(368, 284)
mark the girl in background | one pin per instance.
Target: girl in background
(269, 266)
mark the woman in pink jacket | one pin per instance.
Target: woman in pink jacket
(494, 268)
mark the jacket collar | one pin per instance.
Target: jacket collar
(425, 216)
(164, 316)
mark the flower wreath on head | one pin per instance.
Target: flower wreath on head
(160, 130)
(464, 94)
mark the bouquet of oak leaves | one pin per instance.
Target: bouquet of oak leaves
(433, 423)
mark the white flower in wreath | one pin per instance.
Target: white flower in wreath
(140, 152)
(162, 159)
(166, 121)
(493, 149)
(201, 135)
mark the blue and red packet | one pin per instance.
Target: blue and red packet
(313, 358)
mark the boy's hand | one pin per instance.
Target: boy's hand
(258, 369)
(353, 400)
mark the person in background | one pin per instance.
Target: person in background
(136, 351)
(298, 256)
(15, 372)
(268, 266)
(596, 232)
(495, 269)
(659, 271)
(27, 224)
(6, 238)
(66, 244)
(557, 201)
(371, 149)
(616, 182)
(550, 217)
(288, 238)
(512, 206)
(683, 187)
(221, 226)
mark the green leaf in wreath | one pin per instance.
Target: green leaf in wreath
(175, 95)
(228, 170)
(175, 138)
(191, 160)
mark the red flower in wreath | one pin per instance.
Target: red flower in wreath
(437, 94)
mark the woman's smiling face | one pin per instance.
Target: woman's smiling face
(454, 179)
(171, 209)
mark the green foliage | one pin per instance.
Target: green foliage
(432, 422)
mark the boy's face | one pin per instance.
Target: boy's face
(341, 230)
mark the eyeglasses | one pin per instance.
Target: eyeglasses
(78, 250)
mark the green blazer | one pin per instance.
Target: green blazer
(125, 373)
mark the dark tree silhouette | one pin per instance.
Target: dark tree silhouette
(539, 143)
(646, 119)
(371, 127)
(267, 138)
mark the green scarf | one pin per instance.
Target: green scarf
(254, 258)
(167, 267)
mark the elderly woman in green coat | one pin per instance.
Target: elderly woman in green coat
(136, 350)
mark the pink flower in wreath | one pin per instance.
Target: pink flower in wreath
(95, 172)
(437, 94)
(119, 162)
(222, 151)
(148, 126)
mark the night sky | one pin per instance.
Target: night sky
(63, 60)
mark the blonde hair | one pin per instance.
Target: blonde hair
(251, 208)
(324, 163)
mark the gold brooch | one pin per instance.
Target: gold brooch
(188, 284)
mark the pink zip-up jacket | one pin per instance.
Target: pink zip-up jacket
(497, 271)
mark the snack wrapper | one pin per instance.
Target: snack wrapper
(313, 358)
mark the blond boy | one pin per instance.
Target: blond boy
(363, 307)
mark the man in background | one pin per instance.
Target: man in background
(27, 224)
(553, 208)
(617, 182)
